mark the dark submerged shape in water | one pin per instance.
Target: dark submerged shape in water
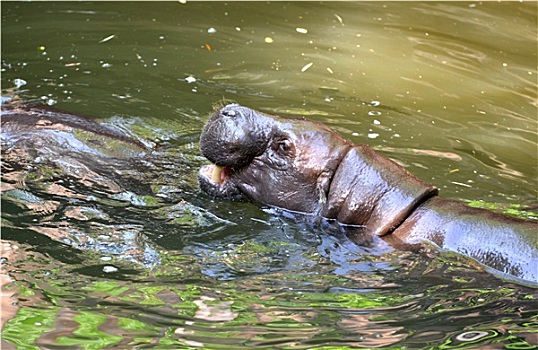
(304, 166)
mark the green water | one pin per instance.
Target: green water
(118, 255)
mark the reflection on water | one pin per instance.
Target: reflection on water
(107, 242)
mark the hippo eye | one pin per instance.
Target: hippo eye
(284, 147)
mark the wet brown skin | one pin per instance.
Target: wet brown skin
(304, 166)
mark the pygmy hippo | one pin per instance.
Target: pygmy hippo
(306, 167)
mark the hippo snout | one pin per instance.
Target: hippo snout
(234, 136)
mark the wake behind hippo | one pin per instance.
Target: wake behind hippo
(304, 166)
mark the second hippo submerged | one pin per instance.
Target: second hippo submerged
(306, 167)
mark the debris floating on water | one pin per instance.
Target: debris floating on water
(301, 30)
(190, 79)
(339, 18)
(268, 40)
(19, 82)
(110, 37)
(328, 88)
(307, 66)
(461, 184)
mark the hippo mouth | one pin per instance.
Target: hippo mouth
(218, 174)
(216, 181)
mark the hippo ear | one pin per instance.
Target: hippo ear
(371, 190)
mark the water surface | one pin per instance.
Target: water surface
(115, 247)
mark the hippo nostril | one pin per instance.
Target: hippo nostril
(229, 113)
(230, 110)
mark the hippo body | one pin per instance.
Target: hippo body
(303, 166)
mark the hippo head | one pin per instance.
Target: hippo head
(304, 166)
(277, 161)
